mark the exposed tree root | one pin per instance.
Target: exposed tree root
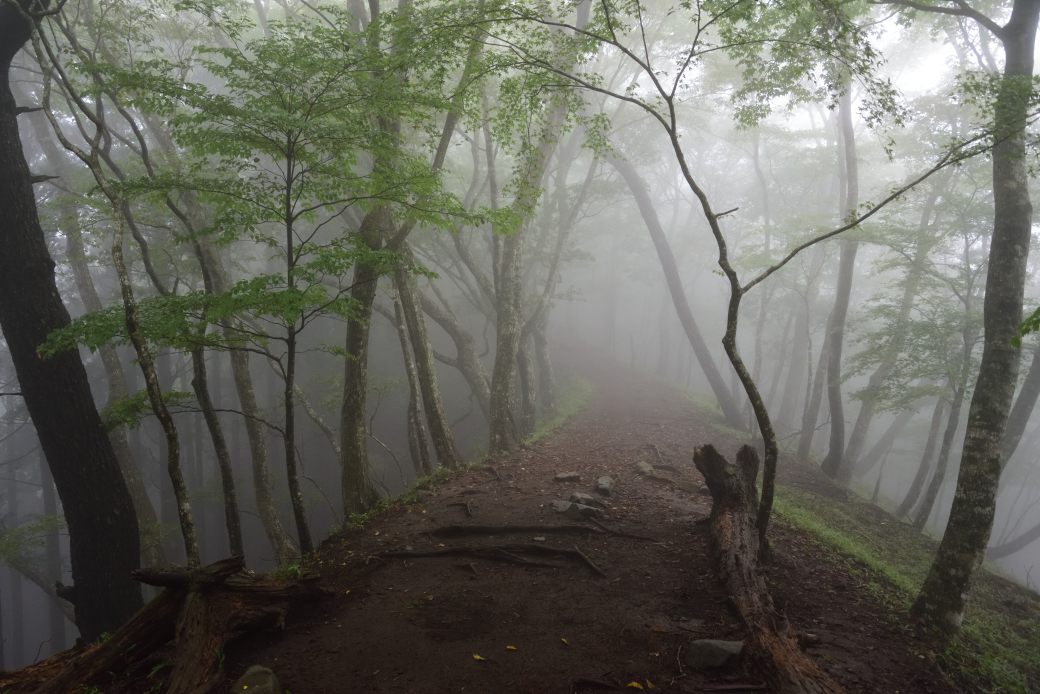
(200, 609)
(463, 530)
(618, 533)
(772, 642)
(506, 553)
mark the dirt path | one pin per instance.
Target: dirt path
(454, 624)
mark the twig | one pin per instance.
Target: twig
(592, 565)
(586, 682)
(621, 534)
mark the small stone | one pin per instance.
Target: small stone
(583, 498)
(581, 512)
(258, 680)
(538, 539)
(568, 477)
(704, 489)
(643, 468)
(689, 487)
(605, 485)
(560, 506)
(712, 653)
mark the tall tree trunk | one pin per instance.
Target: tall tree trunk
(132, 319)
(99, 510)
(55, 618)
(546, 377)
(664, 341)
(729, 407)
(357, 490)
(1022, 409)
(436, 417)
(467, 361)
(910, 500)
(75, 252)
(813, 402)
(216, 280)
(932, 493)
(941, 600)
(17, 606)
(843, 293)
(897, 337)
(417, 447)
(528, 392)
(200, 384)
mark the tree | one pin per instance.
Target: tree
(103, 531)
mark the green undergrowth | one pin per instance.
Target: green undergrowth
(998, 649)
(709, 410)
(573, 396)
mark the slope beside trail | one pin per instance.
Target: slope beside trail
(470, 624)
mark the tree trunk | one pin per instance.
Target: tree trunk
(99, 510)
(467, 361)
(925, 512)
(873, 456)
(546, 377)
(1022, 409)
(55, 618)
(811, 413)
(151, 552)
(897, 337)
(941, 600)
(417, 447)
(357, 490)
(734, 546)
(664, 341)
(232, 521)
(910, 500)
(436, 418)
(682, 307)
(843, 292)
(145, 360)
(216, 279)
(528, 392)
(17, 607)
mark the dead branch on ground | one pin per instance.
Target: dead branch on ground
(772, 642)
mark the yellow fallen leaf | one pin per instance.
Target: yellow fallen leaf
(634, 685)
(477, 657)
(510, 648)
(347, 593)
(565, 641)
(377, 532)
(650, 685)
(658, 628)
(440, 544)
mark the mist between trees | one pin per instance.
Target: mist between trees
(264, 263)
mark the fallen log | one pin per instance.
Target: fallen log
(199, 609)
(772, 642)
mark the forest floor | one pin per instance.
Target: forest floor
(455, 623)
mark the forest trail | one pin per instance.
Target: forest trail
(470, 624)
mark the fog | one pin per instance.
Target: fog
(526, 233)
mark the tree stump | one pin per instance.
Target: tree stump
(772, 642)
(199, 609)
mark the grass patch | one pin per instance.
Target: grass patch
(573, 396)
(709, 410)
(998, 649)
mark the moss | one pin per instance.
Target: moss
(573, 396)
(998, 648)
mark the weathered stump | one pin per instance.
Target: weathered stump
(772, 642)
(199, 609)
